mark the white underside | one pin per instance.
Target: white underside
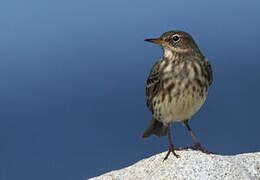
(181, 110)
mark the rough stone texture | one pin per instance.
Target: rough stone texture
(190, 165)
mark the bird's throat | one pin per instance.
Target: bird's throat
(168, 53)
(172, 52)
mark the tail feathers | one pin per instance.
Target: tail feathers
(155, 127)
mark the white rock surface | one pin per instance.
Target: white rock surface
(190, 165)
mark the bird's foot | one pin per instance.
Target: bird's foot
(197, 146)
(171, 149)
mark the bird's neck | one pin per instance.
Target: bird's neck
(168, 53)
(172, 54)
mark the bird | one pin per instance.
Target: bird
(177, 86)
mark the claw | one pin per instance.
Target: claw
(171, 149)
(197, 146)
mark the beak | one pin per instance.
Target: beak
(156, 41)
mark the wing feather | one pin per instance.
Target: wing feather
(153, 85)
(209, 71)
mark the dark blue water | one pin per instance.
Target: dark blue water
(72, 74)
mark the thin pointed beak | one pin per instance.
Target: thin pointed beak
(156, 41)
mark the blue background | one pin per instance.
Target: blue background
(73, 74)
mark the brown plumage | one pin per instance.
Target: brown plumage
(177, 85)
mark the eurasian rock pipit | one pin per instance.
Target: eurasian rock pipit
(177, 85)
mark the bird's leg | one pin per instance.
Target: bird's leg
(171, 147)
(197, 145)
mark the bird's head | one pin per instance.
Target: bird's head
(175, 42)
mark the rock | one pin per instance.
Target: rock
(190, 165)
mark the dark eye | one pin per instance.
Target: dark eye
(175, 38)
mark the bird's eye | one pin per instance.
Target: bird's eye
(175, 38)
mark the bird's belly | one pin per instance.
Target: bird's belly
(181, 107)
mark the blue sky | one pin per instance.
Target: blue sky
(73, 78)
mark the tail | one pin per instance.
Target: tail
(155, 127)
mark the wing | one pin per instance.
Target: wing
(152, 85)
(209, 71)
